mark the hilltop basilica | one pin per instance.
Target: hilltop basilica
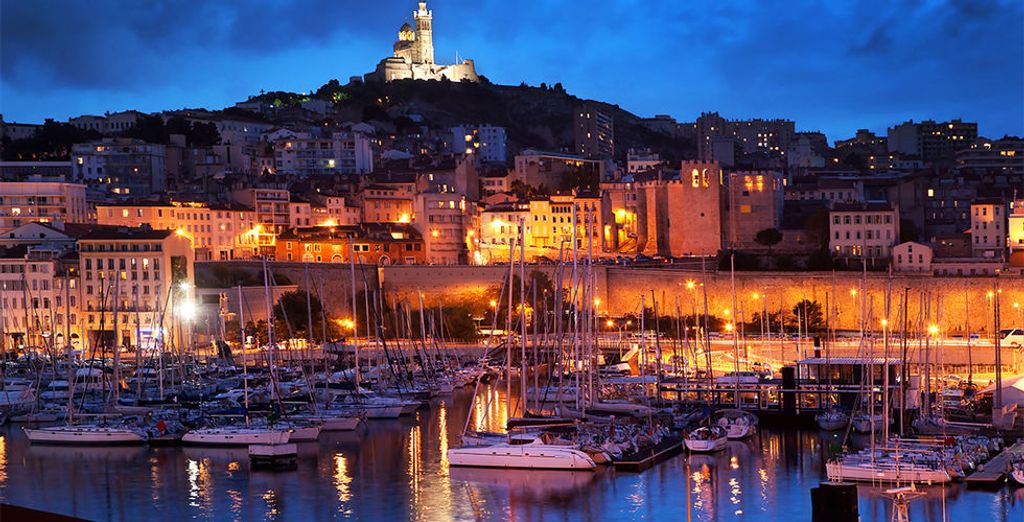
(414, 55)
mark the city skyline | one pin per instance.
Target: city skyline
(837, 89)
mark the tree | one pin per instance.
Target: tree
(808, 313)
(768, 237)
(291, 317)
(52, 141)
(545, 297)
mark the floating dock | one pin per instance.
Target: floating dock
(996, 469)
(648, 457)
(273, 456)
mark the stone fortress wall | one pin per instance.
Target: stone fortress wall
(619, 289)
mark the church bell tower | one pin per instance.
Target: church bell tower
(424, 34)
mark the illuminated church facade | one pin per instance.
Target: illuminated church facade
(413, 56)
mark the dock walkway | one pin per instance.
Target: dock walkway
(996, 468)
(648, 457)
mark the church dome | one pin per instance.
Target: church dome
(406, 34)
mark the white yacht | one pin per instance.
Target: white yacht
(333, 420)
(84, 435)
(707, 439)
(863, 470)
(738, 424)
(235, 436)
(533, 455)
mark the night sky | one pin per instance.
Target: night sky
(830, 66)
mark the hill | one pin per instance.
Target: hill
(539, 117)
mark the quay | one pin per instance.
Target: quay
(996, 469)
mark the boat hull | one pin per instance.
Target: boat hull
(305, 434)
(235, 437)
(83, 436)
(336, 423)
(525, 456)
(383, 412)
(706, 446)
(1018, 476)
(838, 471)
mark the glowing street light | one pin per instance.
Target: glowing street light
(729, 327)
(188, 310)
(885, 322)
(610, 324)
(933, 329)
(690, 285)
(853, 292)
(494, 304)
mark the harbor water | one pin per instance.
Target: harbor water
(397, 470)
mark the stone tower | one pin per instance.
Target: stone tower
(424, 34)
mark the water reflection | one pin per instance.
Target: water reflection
(342, 481)
(397, 470)
(3, 466)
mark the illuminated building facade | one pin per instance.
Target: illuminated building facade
(755, 201)
(413, 57)
(135, 283)
(374, 243)
(863, 230)
(43, 201)
(988, 228)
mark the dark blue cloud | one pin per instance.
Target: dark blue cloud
(831, 66)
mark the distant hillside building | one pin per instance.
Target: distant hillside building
(932, 140)
(343, 152)
(863, 230)
(594, 131)
(413, 57)
(1005, 156)
(912, 257)
(23, 202)
(487, 142)
(718, 138)
(536, 168)
(124, 166)
(988, 228)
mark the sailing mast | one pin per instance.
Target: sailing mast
(245, 367)
(522, 313)
(508, 328)
(355, 323)
(735, 339)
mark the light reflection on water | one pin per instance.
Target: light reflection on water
(397, 470)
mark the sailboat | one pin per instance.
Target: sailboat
(738, 424)
(706, 439)
(889, 471)
(85, 435)
(832, 419)
(235, 436)
(521, 453)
